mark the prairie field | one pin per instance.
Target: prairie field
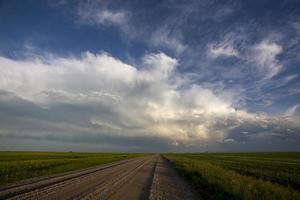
(241, 175)
(16, 166)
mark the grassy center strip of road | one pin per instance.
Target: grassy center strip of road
(167, 184)
(215, 182)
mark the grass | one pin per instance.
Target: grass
(281, 168)
(241, 175)
(16, 166)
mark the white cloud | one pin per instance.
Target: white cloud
(105, 17)
(293, 111)
(224, 48)
(98, 95)
(228, 140)
(290, 78)
(163, 38)
(265, 56)
(97, 13)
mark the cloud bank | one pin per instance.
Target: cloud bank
(99, 99)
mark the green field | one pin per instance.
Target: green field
(15, 166)
(241, 175)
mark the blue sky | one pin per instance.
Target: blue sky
(150, 75)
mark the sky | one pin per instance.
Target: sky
(150, 76)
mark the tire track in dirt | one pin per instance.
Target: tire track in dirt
(63, 186)
(151, 177)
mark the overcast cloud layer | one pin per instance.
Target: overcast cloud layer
(156, 86)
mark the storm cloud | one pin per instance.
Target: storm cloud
(99, 99)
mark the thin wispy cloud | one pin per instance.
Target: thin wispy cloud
(97, 13)
(103, 17)
(225, 49)
(162, 38)
(265, 55)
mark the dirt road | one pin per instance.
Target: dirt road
(150, 177)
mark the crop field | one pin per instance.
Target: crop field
(16, 166)
(241, 175)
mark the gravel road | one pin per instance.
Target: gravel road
(150, 177)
